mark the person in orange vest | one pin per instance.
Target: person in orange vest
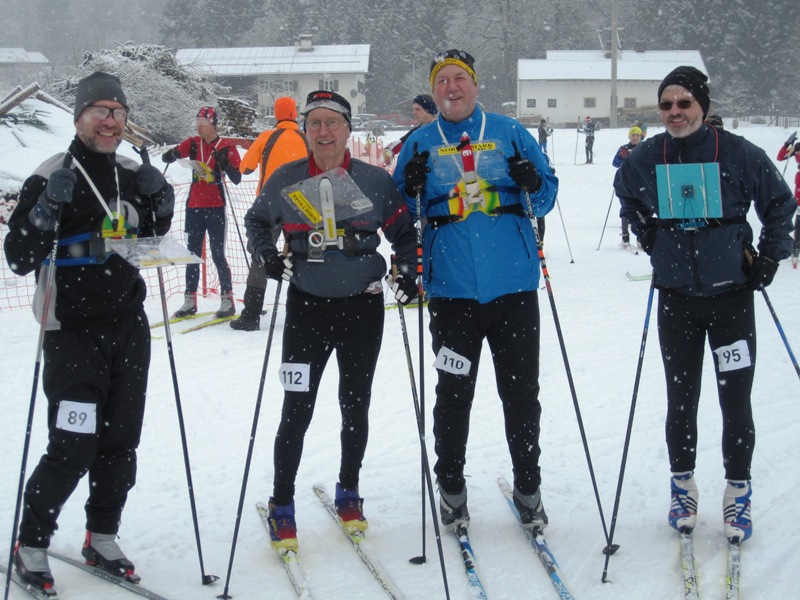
(272, 149)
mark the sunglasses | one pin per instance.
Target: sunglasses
(682, 104)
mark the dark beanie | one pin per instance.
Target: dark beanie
(426, 103)
(693, 80)
(98, 86)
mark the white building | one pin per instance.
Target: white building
(286, 71)
(569, 85)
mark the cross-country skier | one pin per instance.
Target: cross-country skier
(634, 137)
(97, 344)
(792, 148)
(706, 271)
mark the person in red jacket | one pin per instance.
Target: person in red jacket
(205, 208)
(791, 147)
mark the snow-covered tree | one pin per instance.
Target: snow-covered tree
(163, 96)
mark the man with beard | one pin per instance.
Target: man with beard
(700, 245)
(97, 341)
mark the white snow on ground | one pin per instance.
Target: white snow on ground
(602, 315)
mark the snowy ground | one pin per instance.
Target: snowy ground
(601, 313)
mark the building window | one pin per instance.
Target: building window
(629, 102)
(278, 87)
(531, 103)
(590, 102)
(331, 85)
(552, 103)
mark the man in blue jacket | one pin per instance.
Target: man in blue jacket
(700, 243)
(474, 177)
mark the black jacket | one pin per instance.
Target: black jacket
(709, 260)
(84, 293)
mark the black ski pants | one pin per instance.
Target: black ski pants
(683, 324)
(510, 325)
(313, 329)
(95, 380)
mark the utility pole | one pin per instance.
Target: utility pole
(614, 47)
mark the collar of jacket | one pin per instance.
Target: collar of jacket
(472, 125)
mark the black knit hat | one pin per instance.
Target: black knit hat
(426, 103)
(691, 79)
(98, 86)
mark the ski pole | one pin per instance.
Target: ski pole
(224, 595)
(780, 330)
(612, 548)
(205, 579)
(418, 560)
(546, 274)
(608, 212)
(236, 222)
(564, 227)
(426, 470)
(577, 139)
(48, 290)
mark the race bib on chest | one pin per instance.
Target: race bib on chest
(295, 376)
(76, 417)
(733, 357)
(452, 362)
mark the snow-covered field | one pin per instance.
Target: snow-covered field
(602, 315)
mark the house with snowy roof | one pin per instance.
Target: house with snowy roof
(568, 85)
(15, 57)
(270, 72)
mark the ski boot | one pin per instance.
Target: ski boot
(683, 507)
(531, 509)
(33, 568)
(453, 508)
(350, 508)
(736, 510)
(226, 306)
(101, 550)
(282, 527)
(189, 307)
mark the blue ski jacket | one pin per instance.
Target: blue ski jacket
(478, 252)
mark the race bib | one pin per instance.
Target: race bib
(295, 377)
(76, 417)
(452, 362)
(733, 357)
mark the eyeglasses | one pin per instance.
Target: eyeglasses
(101, 113)
(666, 105)
(331, 124)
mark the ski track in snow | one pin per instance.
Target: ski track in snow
(601, 314)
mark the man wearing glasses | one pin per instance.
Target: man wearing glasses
(706, 269)
(97, 344)
(335, 296)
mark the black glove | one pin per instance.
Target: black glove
(405, 288)
(416, 172)
(165, 203)
(170, 156)
(223, 162)
(761, 272)
(278, 266)
(149, 180)
(647, 239)
(60, 186)
(791, 139)
(524, 174)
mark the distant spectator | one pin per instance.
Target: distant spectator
(545, 131)
(423, 109)
(588, 130)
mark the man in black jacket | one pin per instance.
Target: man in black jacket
(97, 341)
(686, 194)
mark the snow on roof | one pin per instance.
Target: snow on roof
(288, 60)
(20, 55)
(593, 65)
